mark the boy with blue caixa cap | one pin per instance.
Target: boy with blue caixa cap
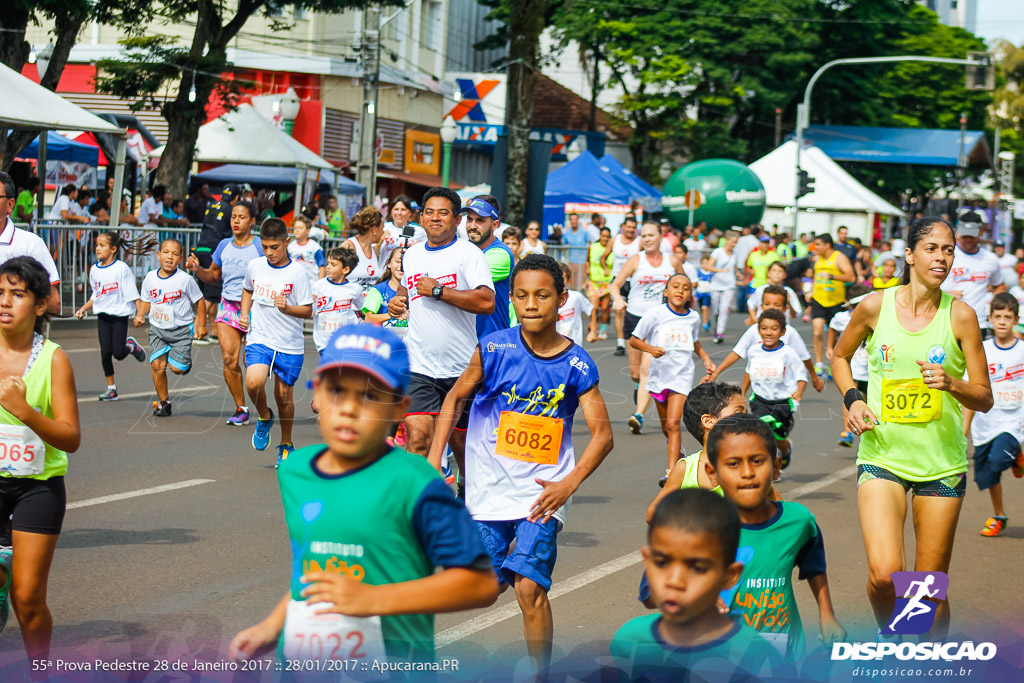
(368, 524)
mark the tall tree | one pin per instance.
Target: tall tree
(195, 71)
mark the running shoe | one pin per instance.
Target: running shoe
(719, 338)
(109, 395)
(448, 473)
(620, 351)
(5, 607)
(707, 327)
(282, 452)
(602, 334)
(240, 418)
(819, 370)
(261, 436)
(846, 439)
(635, 422)
(994, 526)
(205, 341)
(135, 348)
(786, 458)
(663, 480)
(807, 318)
(1018, 466)
(162, 408)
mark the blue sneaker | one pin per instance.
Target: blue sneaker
(635, 422)
(261, 437)
(846, 439)
(5, 607)
(282, 453)
(707, 327)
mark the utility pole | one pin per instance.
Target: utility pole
(778, 126)
(366, 165)
(961, 164)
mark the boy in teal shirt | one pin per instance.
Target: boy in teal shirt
(776, 536)
(368, 524)
(690, 558)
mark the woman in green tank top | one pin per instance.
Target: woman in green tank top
(38, 427)
(920, 341)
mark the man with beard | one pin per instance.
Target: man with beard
(483, 216)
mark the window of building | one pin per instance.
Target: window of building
(430, 25)
(298, 12)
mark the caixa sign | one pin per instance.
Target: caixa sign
(479, 133)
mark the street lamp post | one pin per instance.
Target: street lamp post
(448, 132)
(290, 105)
(803, 110)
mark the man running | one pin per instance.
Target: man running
(832, 270)
(483, 216)
(975, 271)
(624, 245)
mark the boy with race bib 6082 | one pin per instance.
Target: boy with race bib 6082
(521, 469)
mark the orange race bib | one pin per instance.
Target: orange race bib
(530, 438)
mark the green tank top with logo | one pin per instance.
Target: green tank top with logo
(597, 274)
(920, 436)
(18, 444)
(690, 478)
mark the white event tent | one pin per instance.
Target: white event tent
(838, 198)
(243, 136)
(26, 105)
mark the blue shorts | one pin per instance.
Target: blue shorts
(993, 458)
(287, 366)
(703, 299)
(534, 554)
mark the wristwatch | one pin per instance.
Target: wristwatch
(436, 292)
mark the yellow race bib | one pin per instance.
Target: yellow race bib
(909, 400)
(530, 438)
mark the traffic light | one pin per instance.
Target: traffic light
(806, 184)
(981, 73)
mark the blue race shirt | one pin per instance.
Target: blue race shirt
(500, 261)
(233, 261)
(578, 241)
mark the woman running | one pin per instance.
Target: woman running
(39, 414)
(369, 227)
(920, 341)
(230, 260)
(402, 214)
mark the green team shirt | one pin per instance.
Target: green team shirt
(391, 521)
(690, 477)
(763, 599)
(38, 395)
(25, 201)
(741, 655)
(759, 263)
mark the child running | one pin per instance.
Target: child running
(773, 298)
(690, 556)
(115, 299)
(669, 333)
(39, 420)
(704, 276)
(859, 362)
(570, 314)
(775, 537)
(997, 434)
(368, 584)
(307, 253)
(275, 299)
(336, 301)
(375, 305)
(777, 380)
(168, 295)
(521, 468)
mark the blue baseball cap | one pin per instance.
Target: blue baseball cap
(369, 348)
(481, 208)
(765, 238)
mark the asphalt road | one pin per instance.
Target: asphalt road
(175, 538)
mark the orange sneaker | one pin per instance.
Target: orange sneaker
(1018, 465)
(994, 526)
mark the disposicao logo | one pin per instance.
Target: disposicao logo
(913, 614)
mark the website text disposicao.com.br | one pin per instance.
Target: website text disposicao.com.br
(909, 654)
(901, 671)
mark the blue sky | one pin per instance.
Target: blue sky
(1001, 19)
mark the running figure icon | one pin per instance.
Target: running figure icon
(912, 614)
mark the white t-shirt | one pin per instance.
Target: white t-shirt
(150, 208)
(368, 270)
(621, 252)
(170, 298)
(1006, 374)
(1018, 294)
(310, 256)
(774, 373)
(790, 338)
(972, 274)
(539, 248)
(690, 271)
(695, 247)
(725, 280)
(570, 316)
(677, 334)
(63, 203)
(441, 337)
(859, 362)
(647, 284)
(15, 242)
(113, 289)
(334, 305)
(1008, 267)
(393, 239)
(267, 324)
(754, 301)
(317, 234)
(744, 245)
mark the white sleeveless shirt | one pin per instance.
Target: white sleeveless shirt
(647, 285)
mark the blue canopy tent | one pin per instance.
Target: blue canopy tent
(60, 148)
(916, 146)
(582, 181)
(274, 177)
(648, 197)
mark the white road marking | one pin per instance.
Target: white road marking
(89, 350)
(142, 394)
(496, 616)
(88, 502)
